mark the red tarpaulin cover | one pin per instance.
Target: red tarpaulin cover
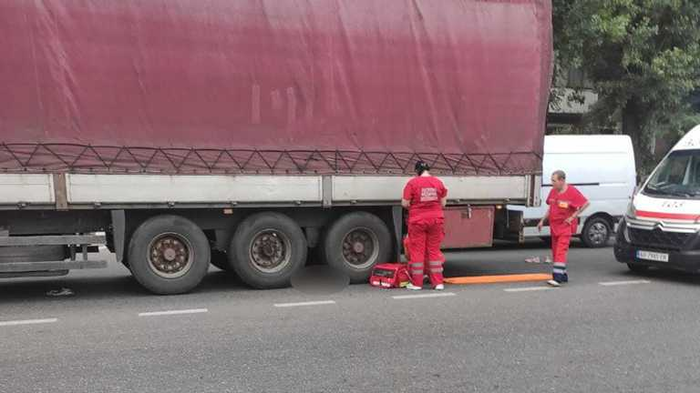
(282, 86)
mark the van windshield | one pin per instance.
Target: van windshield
(677, 176)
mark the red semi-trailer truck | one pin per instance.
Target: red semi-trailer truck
(251, 134)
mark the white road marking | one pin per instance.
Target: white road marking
(28, 322)
(304, 304)
(423, 295)
(631, 282)
(528, 289)
(173, 312)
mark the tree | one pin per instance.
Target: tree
(642, 58)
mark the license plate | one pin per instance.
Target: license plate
(652, 256)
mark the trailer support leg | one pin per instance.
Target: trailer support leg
(119, 233)
(397, 215)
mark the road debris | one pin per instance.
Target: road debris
(545, 260)
(60, 292)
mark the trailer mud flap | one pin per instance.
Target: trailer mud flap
(119, 233)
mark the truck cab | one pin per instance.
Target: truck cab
(662, 225)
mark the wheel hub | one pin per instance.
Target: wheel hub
(169, 256)
(269, 247)
(269, 251)
(360, 247)
(598, 233)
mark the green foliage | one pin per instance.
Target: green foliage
(642, 58)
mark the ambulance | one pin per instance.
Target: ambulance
(662, 225)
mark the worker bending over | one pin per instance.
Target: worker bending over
(425, 196)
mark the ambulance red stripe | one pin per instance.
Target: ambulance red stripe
(670, 216)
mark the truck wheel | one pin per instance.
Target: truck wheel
(596, 232)
(267, 249)
(637, 268)
(169, 255)
(355, 243)
(220, 260)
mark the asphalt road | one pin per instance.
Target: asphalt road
(640, 334)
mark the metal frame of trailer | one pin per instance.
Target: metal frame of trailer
(49, 204)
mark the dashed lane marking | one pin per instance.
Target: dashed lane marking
(28, 322)
(305, 304)
(423, 296)
(173, 312)
(630, 282)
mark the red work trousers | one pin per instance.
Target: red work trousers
(426, 237)
(560, 247)
(560, 250)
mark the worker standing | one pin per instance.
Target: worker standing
(425, 196)
(566, 203)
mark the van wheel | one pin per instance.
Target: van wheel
(355, 243)
(267, 249)
(169, 255)
(596, 233)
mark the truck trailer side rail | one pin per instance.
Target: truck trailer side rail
(83, 191)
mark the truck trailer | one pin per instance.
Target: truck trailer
(253, 134)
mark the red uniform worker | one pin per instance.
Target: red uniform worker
(565, 205)
(425, 196)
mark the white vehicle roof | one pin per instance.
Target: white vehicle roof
(568, 144)
(690, 141)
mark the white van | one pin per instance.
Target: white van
(602, 167)
(663, 221)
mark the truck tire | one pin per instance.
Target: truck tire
(355, 243)
(596, 233)
(220, 260)
(169, 255)
(267, 250)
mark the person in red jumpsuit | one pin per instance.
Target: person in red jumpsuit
(425, 196)
(565, 205)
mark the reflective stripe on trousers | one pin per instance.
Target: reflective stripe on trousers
(559, 272)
